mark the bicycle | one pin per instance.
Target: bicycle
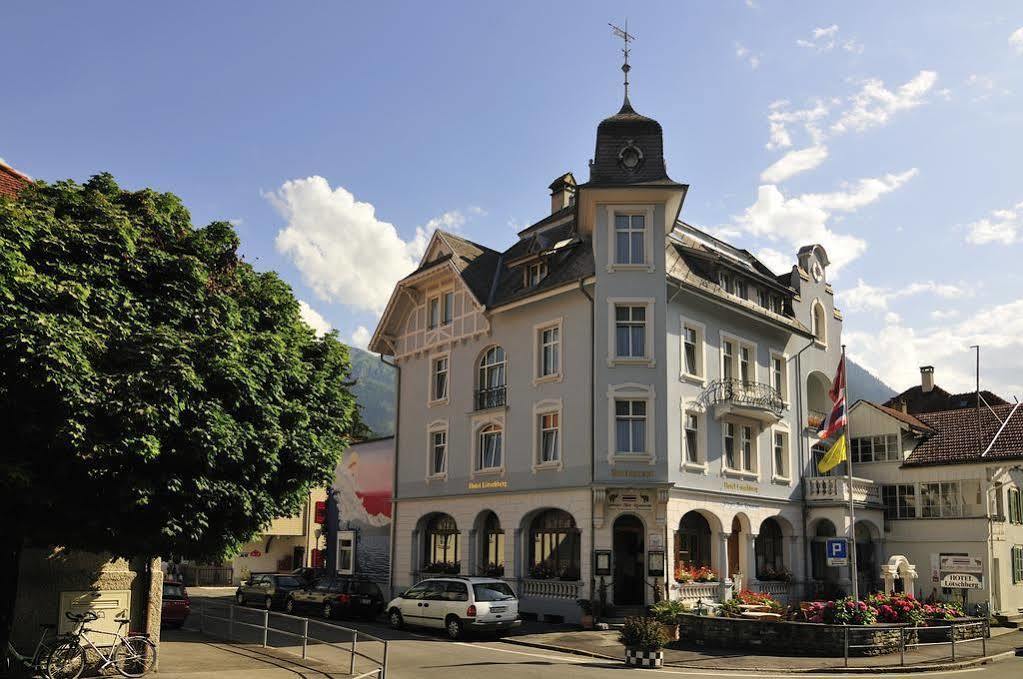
(34, 664)
(132, 655)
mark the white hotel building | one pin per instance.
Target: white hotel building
(616, 389)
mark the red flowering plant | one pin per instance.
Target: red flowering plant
(687, 572)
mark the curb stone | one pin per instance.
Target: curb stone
(894, 669)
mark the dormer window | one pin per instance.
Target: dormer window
(740, 288)
(779, 305)
(762, 298)
(535, 273)
(725, 282)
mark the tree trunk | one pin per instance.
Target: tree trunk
(10, 561)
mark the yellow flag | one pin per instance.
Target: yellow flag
(834, 457)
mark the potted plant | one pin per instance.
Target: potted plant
(586, 606)
(644, 640)
(667, 612)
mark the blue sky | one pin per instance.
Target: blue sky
(337, 134)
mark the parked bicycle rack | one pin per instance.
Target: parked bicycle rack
(351, 648)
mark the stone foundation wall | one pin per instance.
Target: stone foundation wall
(789, 638)
(45, 573)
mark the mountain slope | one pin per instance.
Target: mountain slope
(863, 385)
(374, 390)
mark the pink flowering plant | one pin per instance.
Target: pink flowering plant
(901, 609)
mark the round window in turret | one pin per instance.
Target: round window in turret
(630, 157)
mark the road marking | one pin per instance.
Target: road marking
(600, 664)
(565, 658)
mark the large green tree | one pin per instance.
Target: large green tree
(158, 395)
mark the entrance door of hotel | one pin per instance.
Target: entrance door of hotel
(629, 557)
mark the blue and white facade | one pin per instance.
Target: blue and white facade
(617, 393)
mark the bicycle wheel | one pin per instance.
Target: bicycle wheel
(65, 661)
(134, 656)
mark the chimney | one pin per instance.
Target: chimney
(562, 192)
(926, 378)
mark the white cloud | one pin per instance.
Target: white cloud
(313, 318)
(776, 261)
(826, 38)
(895, 352)
(361, 337)
(864, 297)
(781, 117)
(343, 251)
(803, 219)
(743, 53)
(1016, 40)
(1003, 226)
(875, 104)
(794, 162)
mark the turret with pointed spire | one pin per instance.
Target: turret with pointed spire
(630, 147)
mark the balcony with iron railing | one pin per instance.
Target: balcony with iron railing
(754, 400)
(490, 397)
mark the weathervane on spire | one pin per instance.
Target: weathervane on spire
(626, 37)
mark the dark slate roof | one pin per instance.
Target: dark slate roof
(937, 399)
(495, 283)
(955, 437)
(614, 134)
(476, 264)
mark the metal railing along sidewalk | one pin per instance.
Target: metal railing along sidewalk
(974, 629)
(239, 618)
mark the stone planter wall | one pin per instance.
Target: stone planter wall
(940, 631)
(790, 638)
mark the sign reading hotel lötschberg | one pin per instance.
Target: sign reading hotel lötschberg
(961, 581)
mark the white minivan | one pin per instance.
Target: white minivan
(457, 605)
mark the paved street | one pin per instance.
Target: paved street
(413, 655)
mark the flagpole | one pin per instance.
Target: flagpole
(851, 540)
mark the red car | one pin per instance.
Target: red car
(176, 605)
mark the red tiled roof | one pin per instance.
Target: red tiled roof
(955, 437)
(11, 181)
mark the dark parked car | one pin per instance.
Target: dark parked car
(176, 605)
(268, 590)
(339, 596)
(308, 576)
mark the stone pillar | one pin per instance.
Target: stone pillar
(465, 551)
(517, 568)
(471, 551)
(416, 555)
(793, 563)
(726, 583)
(750, 571)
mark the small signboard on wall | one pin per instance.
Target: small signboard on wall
(837, 552)
(961, 581)
(961, 564)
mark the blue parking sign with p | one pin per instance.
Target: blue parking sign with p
(837, 551)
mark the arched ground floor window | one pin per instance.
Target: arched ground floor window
(554, 546)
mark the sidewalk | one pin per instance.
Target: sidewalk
(602, 644)
(190, 655)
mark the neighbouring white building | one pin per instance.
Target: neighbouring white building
(950, 477)
(613, 396)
